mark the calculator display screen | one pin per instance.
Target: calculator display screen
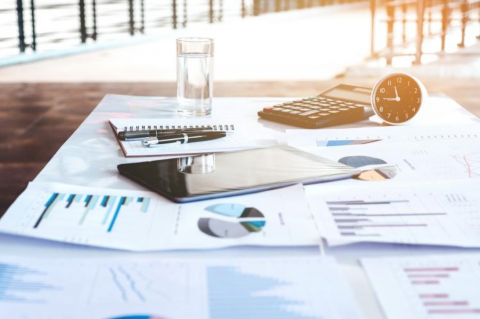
(342, 94)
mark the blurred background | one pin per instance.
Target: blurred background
(58, 58)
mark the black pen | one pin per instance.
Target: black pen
(182, 138)
(137, 135)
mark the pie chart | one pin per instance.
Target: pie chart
(235, 220)
(139, 317)
(378, 174)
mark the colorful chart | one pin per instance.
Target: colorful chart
(328, 143)
(238, 221)
(471, 162)
(235, 294)
(308, 287)
(434, 286)
(23, 284)
(82, 206)
(139, 317)
(378, 174)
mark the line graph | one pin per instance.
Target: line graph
(470, 162)
(174, 288)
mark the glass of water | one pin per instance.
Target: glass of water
(194, 76)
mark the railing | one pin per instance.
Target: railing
(429, 19)
(28, 26)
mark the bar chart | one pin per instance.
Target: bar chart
(257, 289)
(60, 288)
(155, 288)
(145, 221)
(429, 287)
(232, 294)
(443, 215)
(84, 205)
(23, 284)
(379, 217)
(380, 135)
(133, 220)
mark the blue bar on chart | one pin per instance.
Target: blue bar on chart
(117, 211)
(105, 201)
(80, 207)
(233, 294)
(17, 285)
(87, 200)
(70, 200)
(110, 202)
(91, 201)
(49, 205)
(145, 204)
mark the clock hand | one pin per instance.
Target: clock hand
(397, 98)
(390, 99)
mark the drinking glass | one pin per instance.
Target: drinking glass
(194, 76)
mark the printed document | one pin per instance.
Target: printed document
(407, 161)
(142, 221)
(426, 287)
(422, 213)
(309, 287)
(381, 135)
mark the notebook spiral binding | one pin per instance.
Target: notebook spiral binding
(180, 127)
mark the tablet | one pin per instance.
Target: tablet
(215, 175)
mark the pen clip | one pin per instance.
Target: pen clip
(154, 142)
(165, 144)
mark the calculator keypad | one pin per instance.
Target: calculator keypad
(314, 112)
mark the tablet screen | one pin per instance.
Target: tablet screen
(214, 175)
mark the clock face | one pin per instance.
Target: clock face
(397, 98)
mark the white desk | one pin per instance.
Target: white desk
(90, 157)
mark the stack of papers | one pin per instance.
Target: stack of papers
(174, 289)
(145, 221)
(428, 213)
(417, 186)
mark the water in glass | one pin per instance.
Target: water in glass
(194, 84)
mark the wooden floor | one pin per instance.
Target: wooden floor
(36, 119)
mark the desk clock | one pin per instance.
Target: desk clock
(398, 97)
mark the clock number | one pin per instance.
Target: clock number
(389, 115)
(406, 115)
(381, 109)
(418, 100)
(389, 83)
(408, 83)
(415, 90)
(377, 99)
(399, 80)
(414, 109)
(397, 119)
(382, 90)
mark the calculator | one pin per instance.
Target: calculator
(342, 104)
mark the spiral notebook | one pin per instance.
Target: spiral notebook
(232, 142)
